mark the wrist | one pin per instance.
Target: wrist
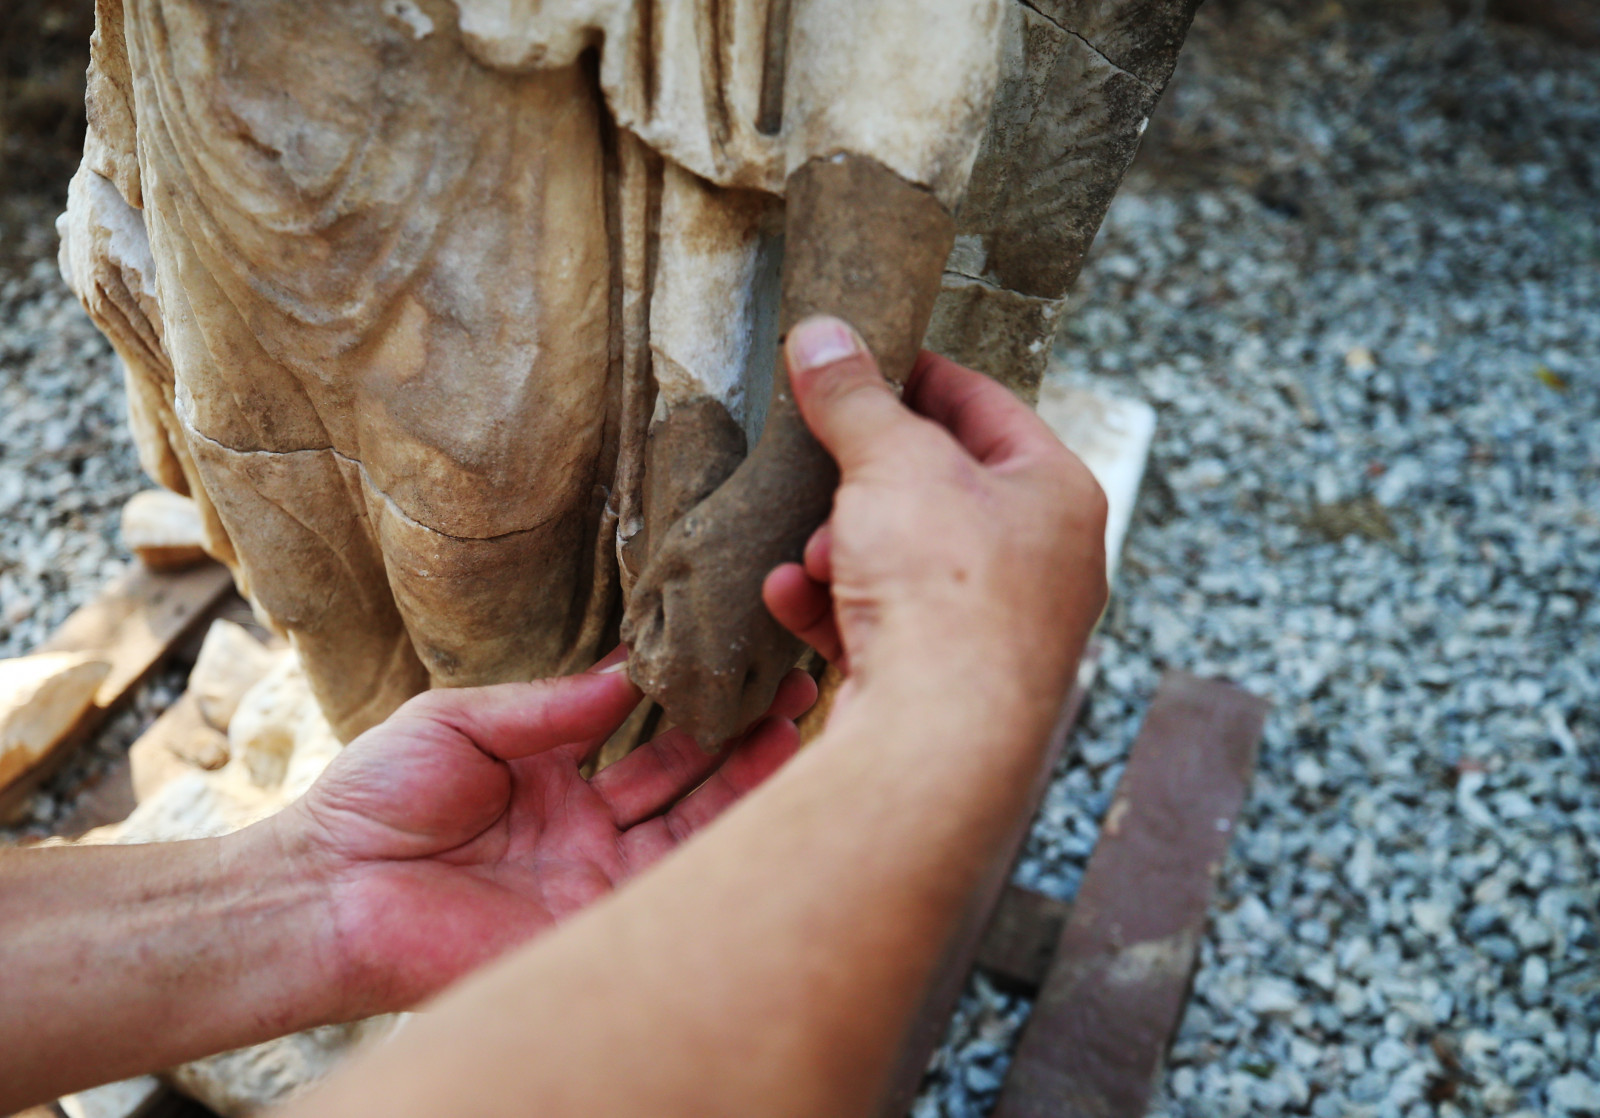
(288, 891)
(947, 717)
(943, 676)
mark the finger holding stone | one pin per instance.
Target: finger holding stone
(762, 753)
(652, 776)
(804, 606)
(658, 773)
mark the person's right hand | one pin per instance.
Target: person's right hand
(966, 547)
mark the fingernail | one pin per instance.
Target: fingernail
(820, 341)
(613, 661)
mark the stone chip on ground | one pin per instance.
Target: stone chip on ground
(42, 699)
(231, 661)
(163, 529)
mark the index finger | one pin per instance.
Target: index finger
(992, 424)
(509, 721)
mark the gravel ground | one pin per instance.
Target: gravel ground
(67, 466)
(67, 463)
(1358, 273)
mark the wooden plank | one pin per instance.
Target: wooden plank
(134, 624)
(235, 609)
(950, 977)
(177, 742)
(1021, 938)
(180, 740)
(1106, 1013)
(110, 799)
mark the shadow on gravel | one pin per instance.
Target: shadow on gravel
(44, 50)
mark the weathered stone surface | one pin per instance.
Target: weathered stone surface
(394, 309)
(995, 331)
(250, 1080)
(1078, 81)
(863, 244)
(384, 301)
(164, 530)
(41, 699)
(1065, 126)
(368, 398)
(1142, 37)
(231, 661)
(691, 451)
(278, 743)
(278, 733)
(175, 743)
(123, 1099)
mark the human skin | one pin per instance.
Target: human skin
(771, 966)
(435, 841)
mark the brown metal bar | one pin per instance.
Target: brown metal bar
(1116, 990)
(1021, 938)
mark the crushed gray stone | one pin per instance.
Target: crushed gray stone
(67, 466)
(67, 462)
(1357, 272)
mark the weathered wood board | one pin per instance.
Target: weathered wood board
(134, 624)
(1020, 942)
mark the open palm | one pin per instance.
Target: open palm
(463, 825)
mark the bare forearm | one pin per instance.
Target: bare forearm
(768, 968)
(120, 960)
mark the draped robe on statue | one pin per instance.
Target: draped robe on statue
(399, 286)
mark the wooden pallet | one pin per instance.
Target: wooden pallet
(1112, 970)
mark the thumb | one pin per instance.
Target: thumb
(840, 392)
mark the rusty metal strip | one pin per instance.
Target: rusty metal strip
(1108, 1008)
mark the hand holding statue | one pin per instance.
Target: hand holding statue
(955, 583)
(956, 508)
(462, 824)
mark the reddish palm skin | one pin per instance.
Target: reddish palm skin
(463, 825)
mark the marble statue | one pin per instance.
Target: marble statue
(459, 320)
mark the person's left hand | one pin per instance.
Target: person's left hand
(462, 825)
